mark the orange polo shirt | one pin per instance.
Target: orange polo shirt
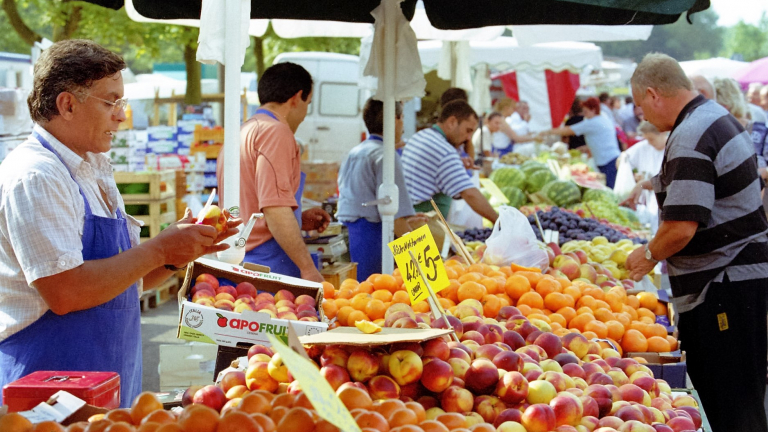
(270, 171)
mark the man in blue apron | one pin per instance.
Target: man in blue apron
(71, 265)
(360, 175)
(271, 181)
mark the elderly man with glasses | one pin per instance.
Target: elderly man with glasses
(71, 265)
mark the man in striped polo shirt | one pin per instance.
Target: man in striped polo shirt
(433, 168)
(713, 236)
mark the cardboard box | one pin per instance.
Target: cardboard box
(206, 324)
(670, 367)
(387, 336)
(339, 272)
(320, 190)
(321, 171)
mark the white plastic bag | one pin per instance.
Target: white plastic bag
(461, 214)
(513, 241)
(625, 180)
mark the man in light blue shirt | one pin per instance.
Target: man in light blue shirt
(360, 175)
(600, 136)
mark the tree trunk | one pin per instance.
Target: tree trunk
(258, 54)
(27, 34)
(194, 75)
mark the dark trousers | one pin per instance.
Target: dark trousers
(610, 171)
(727, 365)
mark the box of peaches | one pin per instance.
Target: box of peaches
(229, 305)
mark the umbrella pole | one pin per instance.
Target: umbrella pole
(388, 187)
(232, 105)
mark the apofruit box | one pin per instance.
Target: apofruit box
(210, 325)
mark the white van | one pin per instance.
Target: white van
(334, 122)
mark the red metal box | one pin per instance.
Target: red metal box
(100, 389)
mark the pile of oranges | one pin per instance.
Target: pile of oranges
(629, 321)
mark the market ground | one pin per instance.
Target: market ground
(158, 327)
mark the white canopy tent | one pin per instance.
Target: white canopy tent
(505, 54)
(717, 67)
(537, 34)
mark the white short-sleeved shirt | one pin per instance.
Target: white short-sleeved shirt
(41, 221)
(645, 158)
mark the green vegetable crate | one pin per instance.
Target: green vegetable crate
(149, 197)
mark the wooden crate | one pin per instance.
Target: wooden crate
(154, 214)
(338, 272)
(154, 297)
(160, 185)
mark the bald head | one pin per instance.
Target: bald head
(703, 86)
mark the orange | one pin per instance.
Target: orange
(383, 295)
(491, 285)
(471, 277)
(516, 268)
(586, 301)
(266, 423)
(401, 297)
(634, 341)
(375, 309)
(659, 344)
(405, 428)
(672, 342)
(388, 406)
(532, 299)
(540, 316)
(451, 273)
(160, 417)
(555, 300)
(447, 303)
(356, 316)
(643, 312)
(532, 276)
(198, 418)
(277, 414)
(330, 309)
(567, 312)
(615, 329)
(365, 287)
(604, 314)
(633, 301)
(471, 290)
(631, 311)
(516, 286)
(283, 400)
(602, 304)
(639, 326)
(491, 305)
(482, 427)
(595, 292)
(14, 422)
(386, 282)
(504, 300)
(589, 335)
(624, 318)
(580, 321)
(296, 419)
(341, 302)
(557, 318)
(506, 270)
(584, 310)
(647, 300)
(646, 320)
(421, 307)
(572, 291)
(478, 268)
(81, 425)
(418, 409)
(433, 426)
(325, 426)
(548, 285)
(302, 400)
(343, 315)
(524, 309)
(564, 282)
(119, 415)
(660, 309)
(614, 300)
(360, 301)
(344, 293)
(238, 421)
(597, 327)
(328, 290)
(657, 330)
(349, 283)
(452, 420)
(373, 420)
(402, 417)
(451, 291)
(353, 397)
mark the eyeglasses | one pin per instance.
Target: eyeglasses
(117, 105)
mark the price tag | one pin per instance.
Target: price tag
(494, 190)
(427, 254)
(317, 389)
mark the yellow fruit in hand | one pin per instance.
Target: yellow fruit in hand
(367, 327)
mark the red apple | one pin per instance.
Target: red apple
(362, 365)
(211, 396)
(209, 279)
(457, 399)
(335, 375)
(383, 387)
(231, 379)
(437, 348)
(538, 418)
(437, 375)
(568, 409)
(509, 361)
(512, 388)
(482, 376)
(489, 407)
(213, 217)
(186, 398)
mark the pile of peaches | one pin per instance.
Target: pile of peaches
(483, 294)
(208, 291)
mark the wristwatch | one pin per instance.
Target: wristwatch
(648, 254)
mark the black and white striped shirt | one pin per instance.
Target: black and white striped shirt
(709, 176)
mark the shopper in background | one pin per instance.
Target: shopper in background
(71, 264)
(645, 159)
(360, 176)
(433, 169)
(764, 98)
(600, 136)
(505, 139)
(606, 109)
(574, 116)
(703, 86)
(713, 237)
(271, 181)
(483, 136)
(753, 103)
(519, 121)
(630, 124)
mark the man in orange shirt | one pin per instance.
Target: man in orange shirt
(271, 181)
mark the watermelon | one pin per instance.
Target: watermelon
(562, 193)
(508, 176)
(536, 180)
(604, 195)
(530, 166)
(516, 197)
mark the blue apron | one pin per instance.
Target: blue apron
(105, 338)
(270, 253)
(502, 151)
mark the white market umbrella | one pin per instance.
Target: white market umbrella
(535, 34)
(717, 67)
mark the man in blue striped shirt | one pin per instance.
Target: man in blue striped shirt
(713, 236)
(433, 168)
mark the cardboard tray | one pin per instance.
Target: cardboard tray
(387, 335)
(671, 367)
(210, 325)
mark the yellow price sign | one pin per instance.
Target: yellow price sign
(494, 190)
(423, 246)
(317, 389)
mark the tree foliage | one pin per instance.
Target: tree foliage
(681, 40)
(748, 41)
